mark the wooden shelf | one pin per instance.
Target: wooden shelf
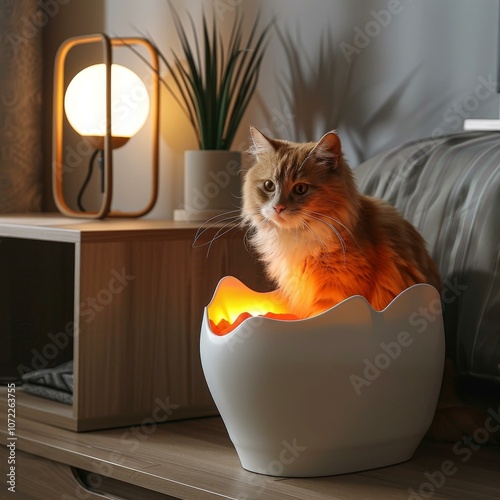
(127, 297)
(40, 409)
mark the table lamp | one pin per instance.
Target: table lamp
(106, 104)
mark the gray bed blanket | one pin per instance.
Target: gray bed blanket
(449, 189)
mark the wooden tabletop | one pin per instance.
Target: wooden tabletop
(194, 459)
(56, 227)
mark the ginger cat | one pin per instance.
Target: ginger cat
(320, 239)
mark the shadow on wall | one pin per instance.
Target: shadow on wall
(316, 88)
(319, 95)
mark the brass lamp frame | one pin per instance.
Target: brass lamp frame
(108, 141)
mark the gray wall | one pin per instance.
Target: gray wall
(381, 72)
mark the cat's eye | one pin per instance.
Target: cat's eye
(300, 188)
(269, 186)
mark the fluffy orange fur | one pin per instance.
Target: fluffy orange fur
(321, 239)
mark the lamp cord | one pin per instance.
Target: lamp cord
(89, 176)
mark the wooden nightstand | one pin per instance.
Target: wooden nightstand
(123, 299)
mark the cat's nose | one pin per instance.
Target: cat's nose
(279, 208)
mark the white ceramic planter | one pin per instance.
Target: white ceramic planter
(348, 390)
(212, 184)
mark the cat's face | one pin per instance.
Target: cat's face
(292, 185)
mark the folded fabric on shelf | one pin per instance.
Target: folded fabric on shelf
(51, 383)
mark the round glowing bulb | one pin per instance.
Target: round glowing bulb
(85, 101)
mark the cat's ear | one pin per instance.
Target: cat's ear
(261, 143)
(329, 148)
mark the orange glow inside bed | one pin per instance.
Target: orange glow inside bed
(234, 303)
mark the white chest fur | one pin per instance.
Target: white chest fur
(286, 255)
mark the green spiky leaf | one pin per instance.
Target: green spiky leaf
(218, 79)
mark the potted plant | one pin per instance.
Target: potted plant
(213, 79)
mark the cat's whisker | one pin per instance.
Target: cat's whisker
(213, 221)
(318, 237)
(221, 232)
(337, 234)
(334, 220)
(226, 228)
(230, 223)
